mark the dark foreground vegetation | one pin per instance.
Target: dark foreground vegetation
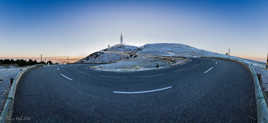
(22, 62)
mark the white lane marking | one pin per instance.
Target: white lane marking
(66, 77)
(208, 70)
(216, 62)
(141, 92)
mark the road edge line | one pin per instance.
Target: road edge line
(6, 114)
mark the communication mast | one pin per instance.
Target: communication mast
(41, 57)
(121, 38)
(228, 52)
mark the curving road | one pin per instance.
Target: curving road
(201, 91)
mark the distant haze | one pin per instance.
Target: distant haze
(80, 27)
(56, 59)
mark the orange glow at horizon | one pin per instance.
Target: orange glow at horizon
(263, 59)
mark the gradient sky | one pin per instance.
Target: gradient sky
(80, 27)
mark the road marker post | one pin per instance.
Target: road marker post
(11, 82)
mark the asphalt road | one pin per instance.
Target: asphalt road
(201, 91)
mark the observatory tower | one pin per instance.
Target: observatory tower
(121, 38)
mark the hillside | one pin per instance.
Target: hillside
(149, 56)
(122, 58)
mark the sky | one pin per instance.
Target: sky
(80, 27)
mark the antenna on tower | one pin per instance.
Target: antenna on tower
(228, 53)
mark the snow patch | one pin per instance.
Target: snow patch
(139, 64)
(172, 49)
(6, 72)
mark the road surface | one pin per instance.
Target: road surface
(201, 91)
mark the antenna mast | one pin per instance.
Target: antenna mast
(121, 39)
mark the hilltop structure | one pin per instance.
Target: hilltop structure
(229, 52)
(121, 39)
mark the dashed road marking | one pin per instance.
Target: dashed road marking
(208, 70)
(142, 92)
(66, 77)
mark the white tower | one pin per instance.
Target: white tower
(121, 39)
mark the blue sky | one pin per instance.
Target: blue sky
(80, 27)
